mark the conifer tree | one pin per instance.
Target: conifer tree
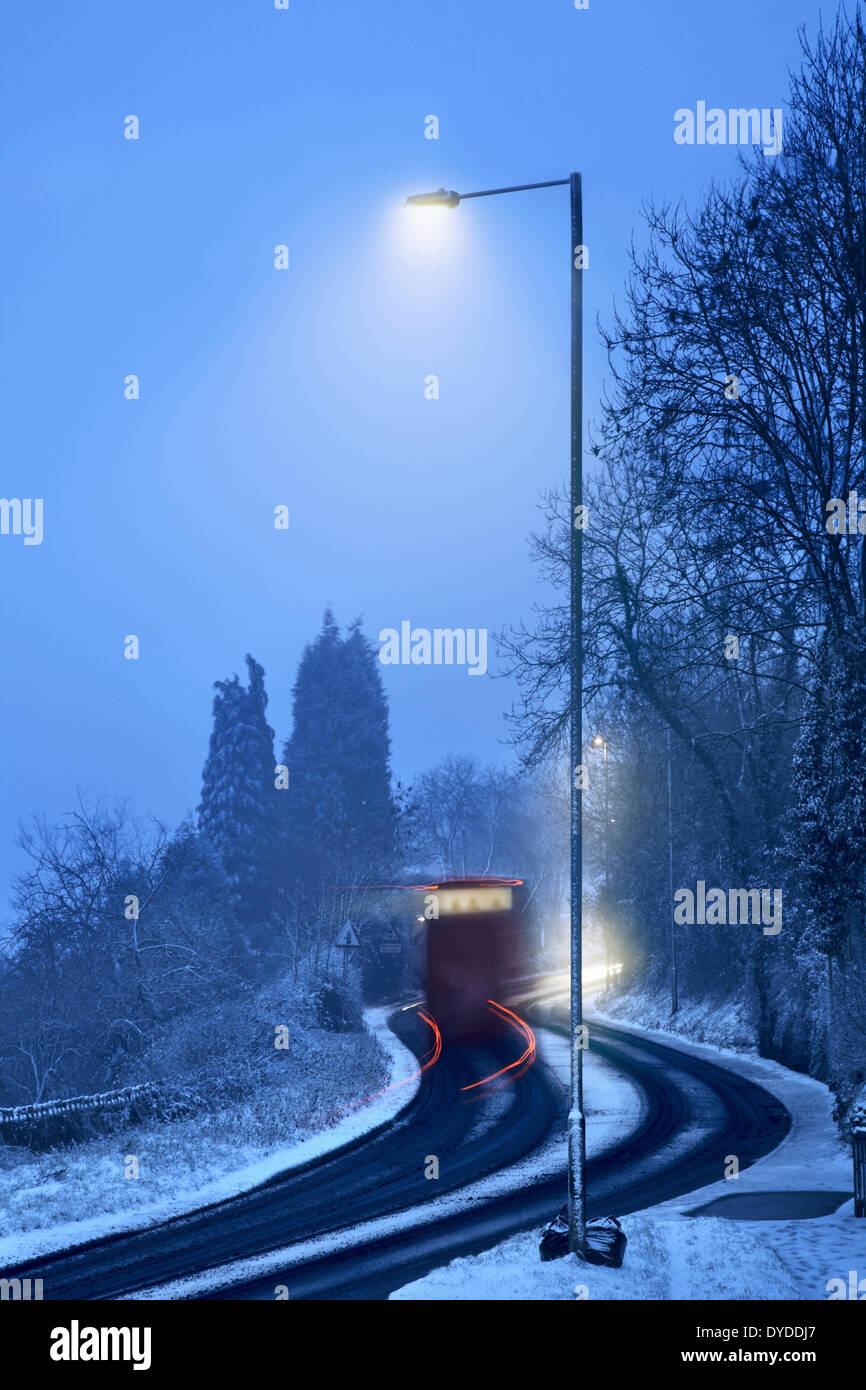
(341, 815)
(238, 810)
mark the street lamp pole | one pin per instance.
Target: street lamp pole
(576, 1121)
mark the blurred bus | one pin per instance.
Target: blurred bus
(474, 952)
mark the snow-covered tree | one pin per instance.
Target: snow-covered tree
(340, 811)
(827, 844)
(238, 810)
(828, 838)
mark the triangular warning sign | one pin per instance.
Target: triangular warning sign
(347, 936)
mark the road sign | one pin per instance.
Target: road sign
(389, 943)
(347, 936)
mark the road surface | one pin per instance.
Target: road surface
(693, 1115)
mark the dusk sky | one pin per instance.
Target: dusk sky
(306, 387)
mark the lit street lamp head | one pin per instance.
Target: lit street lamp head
(442, 198)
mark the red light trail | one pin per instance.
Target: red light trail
(527, 1057)
(427, 1060)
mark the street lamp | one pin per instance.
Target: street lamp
(446, 198)
(441, 199)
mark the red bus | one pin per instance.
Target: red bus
(473, 952)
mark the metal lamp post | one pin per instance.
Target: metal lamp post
(576, 1123)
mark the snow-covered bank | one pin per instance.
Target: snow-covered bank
(664, 1260)
(811, 1158)
(674, 1255)
(719, 1024)
(92, 1182)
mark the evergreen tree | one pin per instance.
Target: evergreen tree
(314, 811)
(826, 844)
(341, 815)
(367, 740)
(238, 810)
(828, 834)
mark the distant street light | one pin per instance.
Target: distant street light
(445, 198)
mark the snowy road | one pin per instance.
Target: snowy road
(364, 1220)
(375, 1176)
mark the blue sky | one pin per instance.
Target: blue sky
(305, 387)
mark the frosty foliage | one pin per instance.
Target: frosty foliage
(238, 810)
(143, 955)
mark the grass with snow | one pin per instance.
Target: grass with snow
(83, 1181)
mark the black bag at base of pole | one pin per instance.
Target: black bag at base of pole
(605, 1240)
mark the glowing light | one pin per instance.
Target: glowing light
(426, 1060)
(489, 881)
(442, 198)
(599, 975)
(526, 1058)
(426, 234)
(436, 1049)
(463, 900)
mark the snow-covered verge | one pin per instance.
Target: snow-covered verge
(723, 1024)
(811, 1157)
(186, 1164)
(672, 1255)
(708, 1259)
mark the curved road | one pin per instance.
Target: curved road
(693, 1114)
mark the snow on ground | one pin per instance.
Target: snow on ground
(613, 1104)
(664, 1260)
(93, 1173)
(670, 1255)
(810, 1158)
(674, 1256)
(720, 1024)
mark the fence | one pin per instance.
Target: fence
(51, 1121)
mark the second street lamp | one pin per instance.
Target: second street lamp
(448, 198)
